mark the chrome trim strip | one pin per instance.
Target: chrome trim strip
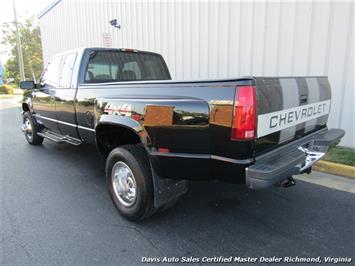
(55, 120)
(64, 123)
(180, 155)
(202, 156)
(159, 82)
(153, 100)
(231, 160)
(87, 128)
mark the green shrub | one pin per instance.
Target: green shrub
(341, 155)
(6, 89)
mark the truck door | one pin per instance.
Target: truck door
(65, 97)
(43, 99)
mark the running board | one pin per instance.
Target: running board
(58, 138)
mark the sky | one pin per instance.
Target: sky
(25, 9)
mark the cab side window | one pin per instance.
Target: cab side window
(51, 73)
(102, 67)
(67, 71)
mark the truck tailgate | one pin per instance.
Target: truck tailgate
(289, 108)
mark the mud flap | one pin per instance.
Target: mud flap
(167, 190)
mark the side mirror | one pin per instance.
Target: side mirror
(27, 85)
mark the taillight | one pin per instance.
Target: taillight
(243, 127)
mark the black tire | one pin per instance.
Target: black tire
(32, 138)
(135, 157)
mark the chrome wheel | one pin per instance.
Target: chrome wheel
(124, 184)
(27, 128)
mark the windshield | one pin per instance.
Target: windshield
(114, 66)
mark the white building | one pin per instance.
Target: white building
(205, 40)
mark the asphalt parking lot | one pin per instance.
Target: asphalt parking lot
(55, 210)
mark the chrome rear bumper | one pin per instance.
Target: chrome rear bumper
(294, 158)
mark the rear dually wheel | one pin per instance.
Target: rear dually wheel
(129, 181)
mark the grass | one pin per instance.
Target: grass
(342, 155)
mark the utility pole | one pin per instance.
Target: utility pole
(19, 47)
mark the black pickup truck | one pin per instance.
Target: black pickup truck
(156, 133)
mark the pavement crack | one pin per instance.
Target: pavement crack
(146, 238)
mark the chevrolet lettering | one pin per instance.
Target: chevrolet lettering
(275, 121)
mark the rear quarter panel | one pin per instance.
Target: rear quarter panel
(179, 124)
(188, 117)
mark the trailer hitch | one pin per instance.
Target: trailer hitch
(311, 157)
(288, 182)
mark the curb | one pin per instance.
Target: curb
(335, 168)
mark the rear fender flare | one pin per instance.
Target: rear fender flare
(126, 122)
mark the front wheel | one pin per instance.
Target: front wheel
(30, 130)
(129, 181)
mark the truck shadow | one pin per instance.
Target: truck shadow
(220, 218)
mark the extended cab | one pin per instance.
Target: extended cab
(156, 133)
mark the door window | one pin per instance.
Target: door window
(51, 73)
(67, 71)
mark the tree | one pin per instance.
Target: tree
(31, 49)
